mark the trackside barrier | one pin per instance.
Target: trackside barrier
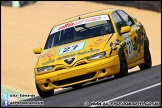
(15, 4)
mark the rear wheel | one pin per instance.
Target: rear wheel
(123, 65)
(147, 58)
(44, 94)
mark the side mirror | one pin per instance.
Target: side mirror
(125, 29)
(37, 50)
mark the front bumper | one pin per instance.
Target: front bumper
(80, 74)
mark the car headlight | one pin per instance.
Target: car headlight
(44, 69)
(96, 56)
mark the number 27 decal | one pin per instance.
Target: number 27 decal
(71, 48)
(129, 46)
(66, 49)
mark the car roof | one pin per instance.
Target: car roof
(91, 14)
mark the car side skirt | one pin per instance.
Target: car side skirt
(132, 65)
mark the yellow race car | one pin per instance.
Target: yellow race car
(89, 47)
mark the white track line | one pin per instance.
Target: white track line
(131, 93)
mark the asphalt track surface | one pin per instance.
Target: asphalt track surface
(138, 86)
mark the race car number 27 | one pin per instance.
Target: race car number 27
(71, 48)
(129, 46)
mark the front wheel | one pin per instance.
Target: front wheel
(147, 58)
(44, 94)
(123, 65)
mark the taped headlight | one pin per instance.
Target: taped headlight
(44, 69)
(96, 56)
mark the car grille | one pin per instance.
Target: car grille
(77, 64)
(75, 79)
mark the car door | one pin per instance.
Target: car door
(127, 37)
(135, 35)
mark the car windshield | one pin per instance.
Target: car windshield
(74, 32)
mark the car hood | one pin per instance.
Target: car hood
(69, 54)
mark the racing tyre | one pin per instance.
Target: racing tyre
(44, 94)
(123, 65)
(147, 58)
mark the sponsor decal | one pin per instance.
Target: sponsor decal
(50, 61)
(47, 55)
(97, 42)
(68, 25)
(79, 22)
(87, 52)
(64, 57)
(79, 53)
(83, 21)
